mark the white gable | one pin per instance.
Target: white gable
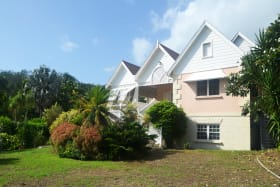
(123, 78)
(224, 53)
(242, 42)
(155, 69)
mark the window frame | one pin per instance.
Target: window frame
(209, 91)
(210, 50)
(211, 132)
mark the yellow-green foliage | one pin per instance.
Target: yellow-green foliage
(72, 116)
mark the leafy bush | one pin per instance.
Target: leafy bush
(8, 142)
(33, 133)
(171, 119)
(63, 137)
(7, 125)
(124, 141)
(50, 114)
(87, 142)
(72, 116)
(69, 150)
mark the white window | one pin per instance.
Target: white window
(208, 87)
(208, 132)
(207, 49)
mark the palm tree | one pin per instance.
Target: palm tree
(260, 78)
(95, 107)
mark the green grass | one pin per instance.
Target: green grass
(41, 167)
(39, 163)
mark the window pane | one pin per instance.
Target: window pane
(214, 87)
(202, 132)
(201, 88)
(207, 51)
(214, 132)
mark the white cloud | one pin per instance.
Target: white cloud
(141, 48)
(109, 69)
(183, 18)
(68, 45)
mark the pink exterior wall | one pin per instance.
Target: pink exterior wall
(210, 105)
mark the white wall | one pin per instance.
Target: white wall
(123, 78)
(158, 59)
(224, 54)
(234, 133)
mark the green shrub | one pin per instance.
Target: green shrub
(171, 119)
(7, 125)
(69, 150)
(8, 142)
(33, 133)
(72, 116)
(50, 114)
(124, 141)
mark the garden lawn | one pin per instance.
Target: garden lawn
(41, 167)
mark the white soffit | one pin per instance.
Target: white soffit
(206, 75)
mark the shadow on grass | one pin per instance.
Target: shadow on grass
(157, 154)
(6, 161)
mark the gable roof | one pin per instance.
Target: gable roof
(171, 53)
(244, 37)
(131, 67)
(195, 36)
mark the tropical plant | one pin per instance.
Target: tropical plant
(73, 116)
(20, 104)
(124, 141)
(63, 140)
(260, 77)
(172, 120)
(94, 107)
(87, 143)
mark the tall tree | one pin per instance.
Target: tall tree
(260, 77)
(10, 84)
(45, 84)
(21, 104)
(3, 96)
(68, 91)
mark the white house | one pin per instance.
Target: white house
(196, 81)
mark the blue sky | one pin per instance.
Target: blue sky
(89, 38)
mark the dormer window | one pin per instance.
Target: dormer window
(206, 49)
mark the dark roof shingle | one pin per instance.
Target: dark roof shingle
(132, 68)
(172, 53)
